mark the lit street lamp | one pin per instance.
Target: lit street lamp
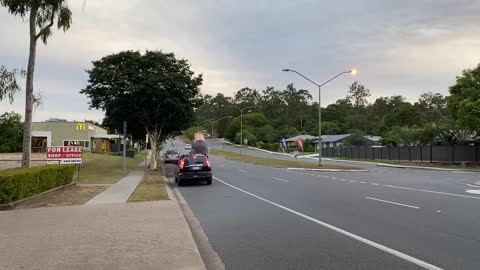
(352, 72)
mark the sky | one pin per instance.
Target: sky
(398, 47)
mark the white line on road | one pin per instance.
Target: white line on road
(435, 192)
(279, 179)
(352, 181)
(242, 170)
(401, 204)
(341, 231)
(475, 186)
(361, 182)
(375, 184)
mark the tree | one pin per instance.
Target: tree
(356, 138)
(464, 99)
(155, 93)
(10, 132)
(42, 14)
(8, 83)
(358, 95)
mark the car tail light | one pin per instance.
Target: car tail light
(209, 165)
(181, 164)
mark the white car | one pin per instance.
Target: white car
(188, 147)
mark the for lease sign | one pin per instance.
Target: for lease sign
(64, 155)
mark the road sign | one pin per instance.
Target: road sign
(245, 141)
(64, 155)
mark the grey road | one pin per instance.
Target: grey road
(265, 218)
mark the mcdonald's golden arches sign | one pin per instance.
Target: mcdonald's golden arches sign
(80, 127)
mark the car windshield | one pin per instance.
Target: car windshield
(194, 159)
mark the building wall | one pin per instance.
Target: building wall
(74, 131)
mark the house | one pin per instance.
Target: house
(293, 140)
(340, 139)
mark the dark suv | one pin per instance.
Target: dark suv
(194, 167)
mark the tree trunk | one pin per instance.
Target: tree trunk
(154, 143)
(27, 124)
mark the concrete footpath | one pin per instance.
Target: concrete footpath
(150, 235)
(121, 191)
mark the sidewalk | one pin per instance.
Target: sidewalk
(121, 191)
(150, 235)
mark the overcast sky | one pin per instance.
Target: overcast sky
(399, 47)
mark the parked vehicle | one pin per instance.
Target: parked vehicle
(193, 168)
(171, 156)
(188, 148)
(199, 144)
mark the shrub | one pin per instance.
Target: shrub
(16, 184)
(270, 146)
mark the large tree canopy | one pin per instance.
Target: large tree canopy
(10, 132)
(464, 99)
(154, 92)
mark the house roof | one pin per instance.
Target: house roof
(373, 138)
(334, 138)
(303, 137)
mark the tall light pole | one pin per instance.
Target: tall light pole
(241, 120)
(353, 72)
(213, 121)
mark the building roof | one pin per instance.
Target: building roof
(303, 137)
(373, 138)
(334, 138)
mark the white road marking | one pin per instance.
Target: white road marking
(279, 179)
(341, 231)
(334, 178)
(361, 182)
(242, 170)
(352, 181)
(475, 186)
(435, 192)
(342, 180)
(473, 191)
(401, 204)
(375, 184)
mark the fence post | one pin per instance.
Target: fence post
(476, 153)
(366, 152)
(389, 153)
(358, 151)
(399, 153)
(381, 153)
(409, 153)
(421, 154)
(373, 153)
(431, 153)
(453, 152)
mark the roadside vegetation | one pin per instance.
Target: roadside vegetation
(105, 169)
(152, 187)
(276, 163)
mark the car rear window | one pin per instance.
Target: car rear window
(194, 159)
(170, 152)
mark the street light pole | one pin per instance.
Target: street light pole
(353, 72)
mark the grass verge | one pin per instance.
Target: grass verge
(72, 195)
(276, 163)
(150, 189)
(105, 169)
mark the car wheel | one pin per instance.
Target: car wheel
(176, 180)
(209, 181)
(181, 183)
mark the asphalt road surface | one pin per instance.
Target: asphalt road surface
(388, 218)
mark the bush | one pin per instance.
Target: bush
(270, 146)
(17, 184)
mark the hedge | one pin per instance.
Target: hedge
(16, 184)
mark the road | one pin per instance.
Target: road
(388, 218)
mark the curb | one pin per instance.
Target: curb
(352, 161)
(422, 168)
(12, 205)
(209, 256)
(326, 170)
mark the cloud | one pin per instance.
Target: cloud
(399, 47)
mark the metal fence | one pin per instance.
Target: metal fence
(451, 153)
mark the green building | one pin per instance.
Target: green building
(58, 132)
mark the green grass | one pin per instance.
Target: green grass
(104, 168)
(150, 189)
(276, 163)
